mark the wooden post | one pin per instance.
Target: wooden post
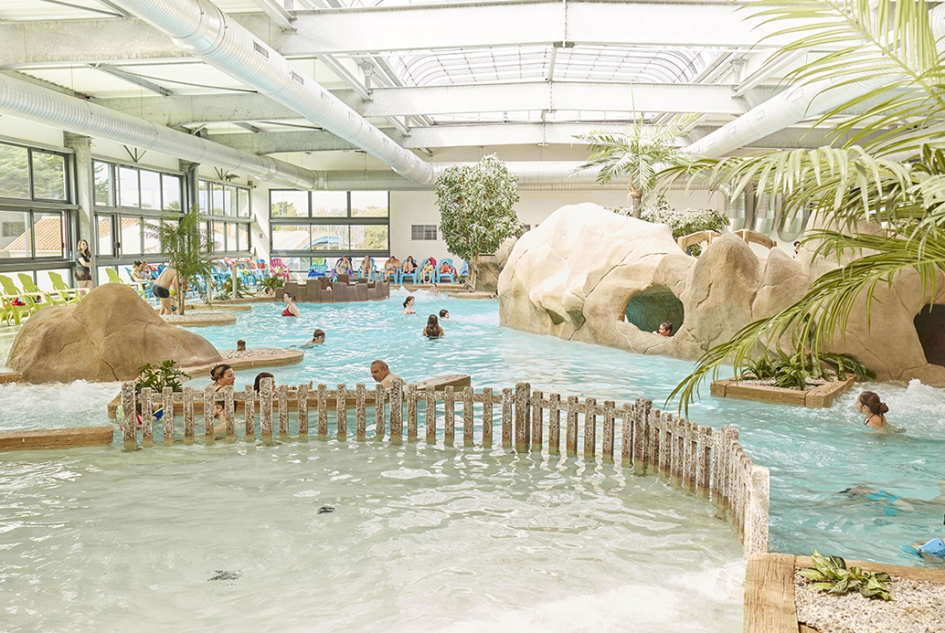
(590, 428)
(360, 414)
(281, 393)
(607, 446)
(229, 415)
(321, 398)
(487, 417)
(756, 527)
(691, 457)
(303, 412)
(626, 435)
(554, 424)
(663, 441)
(679, 438)
(469, 421)
(703, 478)
(209, 435)
(168, 416)
(341, 413)
(640, 440)
(129, 431)
(572, 423)
(188, 415)
(506, 418)
(449, 416)
(265, 410)
(536, 430)
(249, 413)
(429, 416)
(411, 396)
(522, 391)
(654, 438)
(380, 417)
(396, 411)
(147, 418)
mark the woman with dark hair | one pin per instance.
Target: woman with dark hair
(408, 305)
(433, 329)
(222, 376)
(869, 404)
(290, 308)
(257, 383)
(409, 265)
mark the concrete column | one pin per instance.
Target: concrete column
(190, 184)
(84, 194)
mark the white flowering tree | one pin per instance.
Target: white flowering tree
(476, 211)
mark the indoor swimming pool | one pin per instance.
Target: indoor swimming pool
(427, 538)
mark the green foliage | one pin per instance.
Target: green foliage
(684, 222)
(831, 575)
(791, 371)
(225, 290)
(880, 188)
(637, 153)
(760, 368)
(188, 246)
(476, 212)
(157, 378)
(273, 281)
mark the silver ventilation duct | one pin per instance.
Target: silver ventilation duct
(794, 105)
(26, 101)
(203, 29)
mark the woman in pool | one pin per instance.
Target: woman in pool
(83, 265)
(869, 404)
(223, 376)
(408, 305)
(433, 329)
(291, 310)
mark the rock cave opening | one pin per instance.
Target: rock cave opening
(930, 326)
(651, 307)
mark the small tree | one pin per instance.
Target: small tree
(476, 209)
(638, 153)
(188, 247)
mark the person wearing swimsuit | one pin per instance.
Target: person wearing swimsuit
(291, 310)
(869, 404)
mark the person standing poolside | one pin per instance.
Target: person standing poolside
(162, 287)
(433, 329)
(382, 373)
(869, 404)
(291, 310)
(408, 305)
(83, 265)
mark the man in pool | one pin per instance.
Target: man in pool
(666, 329)
(382, 373)
(318, 337)
(444, 314)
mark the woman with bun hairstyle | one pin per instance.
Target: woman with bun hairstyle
(869, 404)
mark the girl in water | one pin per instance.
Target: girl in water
(869, 404)
(408, 305)
(433, 329)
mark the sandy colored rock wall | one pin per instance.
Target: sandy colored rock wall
(574, 275)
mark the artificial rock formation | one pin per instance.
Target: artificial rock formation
(105, 337)
(490, 267)
(590, 275)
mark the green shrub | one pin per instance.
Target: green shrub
(157, 378)
(830, 575)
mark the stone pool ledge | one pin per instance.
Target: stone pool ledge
(775, 603)
(472, 295)
(8, 376)
(219, 305)
(205, 318)
(817, 397)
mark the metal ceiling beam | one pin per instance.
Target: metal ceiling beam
(496, 135)
(277, 12)
(417, 27)
(440, 100)
(134, 79)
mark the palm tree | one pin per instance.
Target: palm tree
(881, 191)
(189, 248)
(638, 153)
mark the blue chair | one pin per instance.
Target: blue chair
(319, 268)
(440, 277)
(401, 275)
(370, 276)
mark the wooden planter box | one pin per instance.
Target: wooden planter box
(819, 397)
(56, 438)
(769, 590)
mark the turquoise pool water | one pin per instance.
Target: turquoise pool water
(812, 454)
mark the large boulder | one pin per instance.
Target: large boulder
(490, 267)
(105, 337)
(588, 274)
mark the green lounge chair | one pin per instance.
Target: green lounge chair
(115, 278)
(30, 288)
(10, 294)
(70, 295)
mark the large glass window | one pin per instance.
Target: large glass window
(14, 235)
(151, 190)
(49, 176)
(49, 235)
(307, 225)
(104, 178)
(128, 195)
(14, 172)
(221, 200)
(171, 188)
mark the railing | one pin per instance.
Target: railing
(692, 457)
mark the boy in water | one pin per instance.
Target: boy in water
(318, 337)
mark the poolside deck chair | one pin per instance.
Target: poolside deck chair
(30, 287)
(370, 276)
(441, 277)
(115, 278)
(275, 264)
(70, 295)
(401, 275)
(142, 287)
(18, 303)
